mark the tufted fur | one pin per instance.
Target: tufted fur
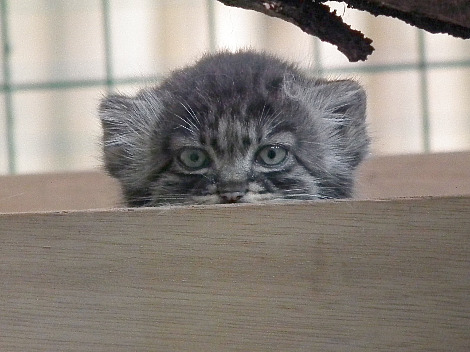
(229, 106)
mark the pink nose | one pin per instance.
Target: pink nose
(231, 197)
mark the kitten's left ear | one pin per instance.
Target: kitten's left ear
(344, 105)
(344, 97)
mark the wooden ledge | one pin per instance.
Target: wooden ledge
(326, 276)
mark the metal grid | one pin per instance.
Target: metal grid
(8, 88)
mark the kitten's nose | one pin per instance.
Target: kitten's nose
(231, 186)
(231, 197)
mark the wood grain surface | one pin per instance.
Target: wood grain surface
(328, 276)
(58, 191)
(414, 175)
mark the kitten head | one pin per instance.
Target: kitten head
(241, 127)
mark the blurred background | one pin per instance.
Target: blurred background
(58, 58)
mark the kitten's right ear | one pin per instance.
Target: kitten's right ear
(114, 113)
(127, 124)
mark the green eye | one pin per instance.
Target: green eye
(194, 158)
(272, 155)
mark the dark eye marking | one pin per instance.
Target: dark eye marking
(246, 141)
(213, 142)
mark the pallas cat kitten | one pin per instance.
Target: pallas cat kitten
(235, 127)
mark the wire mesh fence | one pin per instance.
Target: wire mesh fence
(59, 57)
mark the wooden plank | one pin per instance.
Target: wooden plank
(67, 191)
(325, 276)
(446, 174)
(441, 174)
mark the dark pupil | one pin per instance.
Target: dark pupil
(271, 153)
(194, 157)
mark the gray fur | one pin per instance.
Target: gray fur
(235, 112)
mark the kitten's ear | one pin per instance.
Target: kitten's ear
(344, 97)
(127, 124)
(344, 105)
(115, 113)
(338, 109)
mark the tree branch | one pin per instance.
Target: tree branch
(315, 18)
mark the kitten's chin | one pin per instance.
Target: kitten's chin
(207, 199)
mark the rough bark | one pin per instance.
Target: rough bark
(316, 18)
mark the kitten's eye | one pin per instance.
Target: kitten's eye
(194, 158)
(272, 155)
